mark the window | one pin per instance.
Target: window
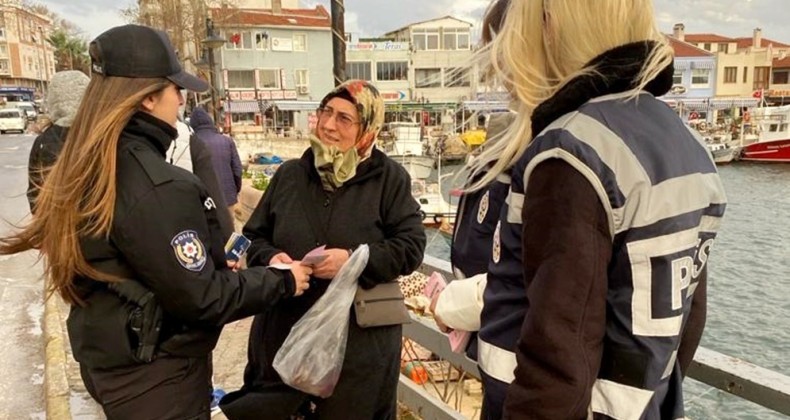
(745, 74)
(781, 78)
(707, 47)
(261, 40)
(358, 70)
(700, 78)
(2, 32)
(455, 39)
(302, 81)
(269, 79)
(241, 79)
(3, 50)
(425, 39)
(677, 77)
(773, 128)
(300, 42)
(4, 66)
(731, 75)
(392, 70)
(428, 78)
(238, 40)
(723, 49)
(456, 77)
(761, 75)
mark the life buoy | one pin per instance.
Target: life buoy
(747, 116)
(437, 218)
(702, 126)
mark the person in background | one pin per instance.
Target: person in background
(63, 99)
(192, 154)
(225, 157)
(342, 192)
(596, 290)
(132, 242)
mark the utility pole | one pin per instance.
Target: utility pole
(339, 41)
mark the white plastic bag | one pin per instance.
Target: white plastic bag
(311, 357)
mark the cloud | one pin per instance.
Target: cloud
(370, 18)
(92, 16)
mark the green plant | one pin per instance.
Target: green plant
(246, 174)
(260, 181)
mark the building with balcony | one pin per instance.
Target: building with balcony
(275, 65)
(743, 65)
(441, 51)
(27, 60)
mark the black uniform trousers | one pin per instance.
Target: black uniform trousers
(169, 388)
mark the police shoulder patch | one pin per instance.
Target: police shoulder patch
(482, 209)
(189, 250)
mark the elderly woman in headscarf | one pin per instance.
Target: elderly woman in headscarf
(342, 192)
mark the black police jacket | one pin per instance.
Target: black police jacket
(164, 235)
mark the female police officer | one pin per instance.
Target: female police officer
(133, 243)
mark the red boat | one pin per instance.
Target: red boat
(773, 128)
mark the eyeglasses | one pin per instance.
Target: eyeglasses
(343, 120)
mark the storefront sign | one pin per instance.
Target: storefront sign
(393, 96)
(282, 44)
(775, 93)
(266, 95)
(379, 46)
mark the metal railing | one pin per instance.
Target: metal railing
(761, 386)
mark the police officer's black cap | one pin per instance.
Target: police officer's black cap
(139, 51)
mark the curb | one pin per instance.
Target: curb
(56, 384)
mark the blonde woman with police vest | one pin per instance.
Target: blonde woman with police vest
(595, 300)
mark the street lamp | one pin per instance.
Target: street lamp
(211, 42)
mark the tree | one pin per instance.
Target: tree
(71, 52)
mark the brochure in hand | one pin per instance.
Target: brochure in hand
(236, 247)
(315, 257)
(458, 339)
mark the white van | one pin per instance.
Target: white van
(12, 119)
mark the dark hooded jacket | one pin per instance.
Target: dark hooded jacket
(63, 100)
(224, 155)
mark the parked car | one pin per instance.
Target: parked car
(12, 119)
(30, 110)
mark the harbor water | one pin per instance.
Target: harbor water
(749, 284)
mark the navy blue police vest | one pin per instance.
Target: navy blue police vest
(664, 201)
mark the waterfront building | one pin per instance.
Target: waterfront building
(27, 60)
(274, 67)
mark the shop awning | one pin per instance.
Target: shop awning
(703, 65)
(296, 105)
(490, 106)
(243, 107)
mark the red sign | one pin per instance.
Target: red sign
(757, 94)
(693, 115)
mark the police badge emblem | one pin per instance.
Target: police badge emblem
(190, 252)
(482, 209)
(496, 246)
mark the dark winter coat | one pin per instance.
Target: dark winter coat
(43, 154)
(164, 235)
(224, 155)
(375, 208)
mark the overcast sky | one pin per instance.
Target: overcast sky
(367, 18)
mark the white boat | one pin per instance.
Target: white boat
(723, 153)
(418, 167)
(434, 209)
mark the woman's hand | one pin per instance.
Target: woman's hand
(329, 267)
(234, 265)
(281, 258)
(301, 275)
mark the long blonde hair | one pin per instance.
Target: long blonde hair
(77, 198)
(543, 45)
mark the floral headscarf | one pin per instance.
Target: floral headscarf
(370, 106)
